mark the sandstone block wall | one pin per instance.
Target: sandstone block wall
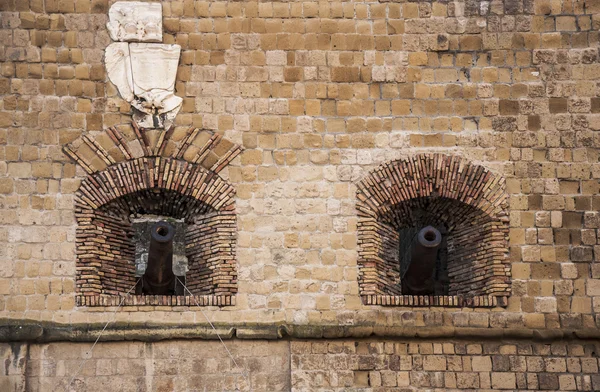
(319, 94)
(468, 365)
(316, 365)
(137, 366)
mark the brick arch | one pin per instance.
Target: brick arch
(96, 152)
(105, 201)
(136, 175)
(468, 198)
(431, 174)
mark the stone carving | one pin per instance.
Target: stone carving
(154, 68)
(135, 21)
(118, 68)
(144, 73)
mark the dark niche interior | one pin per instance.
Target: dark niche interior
(433, 278)
(462, 261)
(201, 253)
(160, 260)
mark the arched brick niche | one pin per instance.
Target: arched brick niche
(157, 186)
(179, 182)
(466, 202)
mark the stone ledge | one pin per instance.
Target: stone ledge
(155, 300)
(450, 301)
(12, 330)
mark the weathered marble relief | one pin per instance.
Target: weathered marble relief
(154, 70)
(118, 67)
(143, 72)
(134, 21)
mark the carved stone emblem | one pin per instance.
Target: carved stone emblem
(135, 21)
(144, 73)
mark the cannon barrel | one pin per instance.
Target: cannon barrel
(159, 278)
(418, 279)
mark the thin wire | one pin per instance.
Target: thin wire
(245, 372)
(99, 336)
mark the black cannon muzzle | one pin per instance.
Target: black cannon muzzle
(159, 278)
(419, 277)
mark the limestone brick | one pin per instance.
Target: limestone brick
(322, 96)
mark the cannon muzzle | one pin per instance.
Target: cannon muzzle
(418, 279)
(159, 278)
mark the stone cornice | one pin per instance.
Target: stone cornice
(13, 330)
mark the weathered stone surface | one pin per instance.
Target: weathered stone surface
(154, 69)
(135, 21)
(174, 365)
(286, 365)
(118, 69)
(320, 95)
(145, 77)
(144, 73)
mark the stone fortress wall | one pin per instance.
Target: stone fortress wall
(318, 96)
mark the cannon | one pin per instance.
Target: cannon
(159, 279)
(419, 276)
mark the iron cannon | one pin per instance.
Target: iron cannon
(159, 278)
(419, 276)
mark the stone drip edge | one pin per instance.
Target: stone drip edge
(13, 330)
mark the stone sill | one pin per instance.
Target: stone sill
(19, 330)
(155, 300)
(450, 301)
